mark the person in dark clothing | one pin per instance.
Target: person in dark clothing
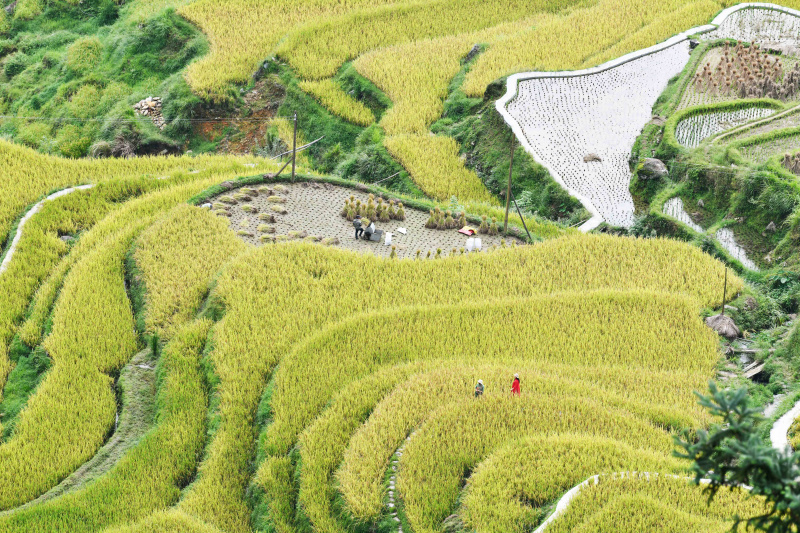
(515, 385)
(369, 231)
(357, 224)
(479, 389)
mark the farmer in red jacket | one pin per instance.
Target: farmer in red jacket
(515, 385)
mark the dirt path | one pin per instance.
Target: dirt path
(135, 418)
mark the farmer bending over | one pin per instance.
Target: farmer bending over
(369, 231)
(479, 389)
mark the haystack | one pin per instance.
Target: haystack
(723, 325)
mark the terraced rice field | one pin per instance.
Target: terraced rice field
(691, 131)
(312, 212)
(763, 152)
(329, 386)
(563, 118)
(398, 337)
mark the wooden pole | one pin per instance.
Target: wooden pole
(724, 291)
(294, 146)
(508, 191)
(530, 239)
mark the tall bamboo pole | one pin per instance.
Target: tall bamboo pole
(294, 146)
(508, 191)
(724, 291)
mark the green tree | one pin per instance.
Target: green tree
(732, 454)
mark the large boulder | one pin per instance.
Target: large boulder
(653, 169)
(723, 325)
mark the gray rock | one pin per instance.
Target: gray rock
(701, 203)
(653, 169)
(475, 50)
(723, 325)
(453, 524)
(67, 238)
(771, 227)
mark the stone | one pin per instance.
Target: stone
(723, 325)
(750, 303)
(653, 169)
(474, 51)
(67, 238)
(592, 158)
(701, 203)
(453, 524)
(771, 227)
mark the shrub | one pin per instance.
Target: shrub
(113, 94)
(15, 64)
(28, 9)
(5, 23)
(34, 133)
(84, 54)
(86, 102)
(100, 149)
(72, 142)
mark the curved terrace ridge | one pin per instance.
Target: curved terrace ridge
(24, 220)
(778, 437)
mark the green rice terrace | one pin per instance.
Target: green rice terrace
(429, 266)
